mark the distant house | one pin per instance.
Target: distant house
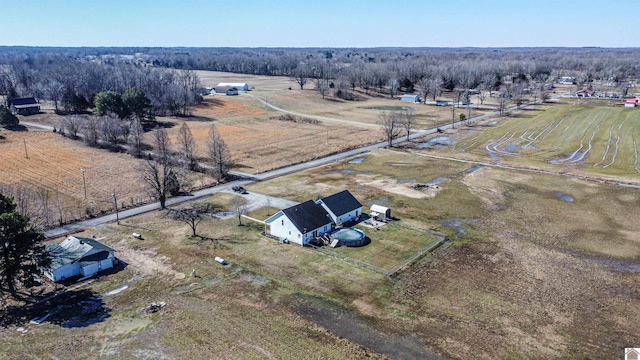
(442, 103)
(24, 106)
(567, 80)
(341, 207)
(630, 102)
(77, 256)
(410, 98)
(300, 223)
(239, 86)
(632, 354)
(227, 90)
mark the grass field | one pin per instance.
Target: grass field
(596, 140)
(523, 274)
(391, 246)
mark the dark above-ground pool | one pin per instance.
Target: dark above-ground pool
(350, 237)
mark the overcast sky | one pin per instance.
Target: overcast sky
(320, 23)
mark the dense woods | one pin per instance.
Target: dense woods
(71, 77)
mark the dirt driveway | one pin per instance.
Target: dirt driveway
(256, 201)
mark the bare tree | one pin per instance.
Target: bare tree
(321, 86)
(394, 86)
(71, 125)
(239, 208)
(301, 75)
(89, 129)
(187, 145)
(390, 124)
(219, 154)
(192, 215)
(453, 116)
(159, 172)
(110, 129)
(134, 140)
(408, 118)
(502, 104)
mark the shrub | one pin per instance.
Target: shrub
(7, 118)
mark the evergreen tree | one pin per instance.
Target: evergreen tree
(21, 250)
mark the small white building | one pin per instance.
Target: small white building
(77, 256)
(380, 212)
(410, 98)
(341, 207)
(300, 223)
(239, 86)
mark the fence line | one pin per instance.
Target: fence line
(393, 270)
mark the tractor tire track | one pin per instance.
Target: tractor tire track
(615, 153)
(606, 150)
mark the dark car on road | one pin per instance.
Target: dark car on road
(239, 189)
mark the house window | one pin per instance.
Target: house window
(289, 232)
(282, 222)
(298, 235)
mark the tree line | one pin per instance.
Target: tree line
(72, 83)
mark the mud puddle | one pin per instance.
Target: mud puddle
(360, 330)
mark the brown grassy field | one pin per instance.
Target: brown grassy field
(523, 274)
(54, 165)
(259, 143)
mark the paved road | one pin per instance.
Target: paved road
(245, 178)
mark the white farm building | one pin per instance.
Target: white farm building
(410, 98)
(77, 256)
(239, 86)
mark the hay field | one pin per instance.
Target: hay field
(54, 165)
(310, 102)
(600, 141)
(259, 143)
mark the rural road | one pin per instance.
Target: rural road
(245, 178)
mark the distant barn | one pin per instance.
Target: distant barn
(25, 106)
(227, 90)
(239, 86)
(410, 98)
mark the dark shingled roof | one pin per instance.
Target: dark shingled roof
(341, 203)
(307, 215)
(24, 101)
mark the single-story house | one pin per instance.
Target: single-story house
(78, 256)
(341, 207)
(410, 98)
(630, 102)
(300, 223)
(442, 103)
(227, 90)
(25, 106)
(239, 86)
(380, 212)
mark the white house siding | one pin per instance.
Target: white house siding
(281, 227)
(339, 219)
(64, 272)
(96, 266)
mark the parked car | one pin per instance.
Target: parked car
(239, 189)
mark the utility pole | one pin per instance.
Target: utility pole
(84, 183)
(453, 116)
(327, 134)
(115, 203)
(26, 155)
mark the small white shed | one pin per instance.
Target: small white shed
(410, 98)
(379, 211)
